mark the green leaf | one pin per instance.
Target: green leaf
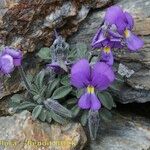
(105, 115)
(63, 65)
(94, 60)
(29, 77)
(61, 92)
(72, 54)
(25, 105)
(65, 80)
(17, 98)
(81, 50)
(117, 85)
(106, 99)
(58, 118)
(71, 101)
(43, 89)
(39, 79)
(48, 117)
(44, 53)
(79, 92)
(42, 115)
(36, 111)
(51, 87)
(57, 108)
(75, 110)
(84, 118)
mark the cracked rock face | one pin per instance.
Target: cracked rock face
(126, 132)
(20, 132)
(25, 23)
(29, 25)
(138, 85)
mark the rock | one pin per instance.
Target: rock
(126, 132)
(20, 132)
(138, 85)
(29, 25)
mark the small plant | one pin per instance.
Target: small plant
(77, 83)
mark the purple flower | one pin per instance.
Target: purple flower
(104, 38)
(106, 43)
(98, 77)
(124, 24)
(116, 33)
(107, 56)
(9, 59)
(58, 67)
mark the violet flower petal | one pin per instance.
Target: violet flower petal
(56, 68)
(134, 43)
(104, 73)
(130, 21)
(113, 13)
(17, 62)
(12, 52)
(7, 65)
(100, 81)
(98, 39)
(121, 24)
(95, 103)
(80, 73)
(107, 58)
(84, 101)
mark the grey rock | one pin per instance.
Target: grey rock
(138, 89)
(126, 132)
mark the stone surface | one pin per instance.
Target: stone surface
(20, 132)
(126, 132)
(29, 25)
(139, 83)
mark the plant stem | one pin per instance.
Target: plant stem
(23, 76)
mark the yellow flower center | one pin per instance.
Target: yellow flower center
(90, 89)
(127, 33)
(107, 49)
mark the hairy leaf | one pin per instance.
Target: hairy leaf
(106, 99)
(42, 115)
(105, 115)
(44, 53)
(61, 92)
(57, 108)
(72, 55)
(93, 123)
(65, 80)
(58, 118)
(117, 85)
(51, 87)
(16, 98)
(71, 101)
(79, 93)
(81, 50)
(39, 79)
(75, 110)
(25, 105)
(48, 117)
(84, 118)
(36, 111)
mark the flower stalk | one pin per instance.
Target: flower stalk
(24, 78)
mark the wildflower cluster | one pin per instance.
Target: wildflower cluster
(116, 33)
(74, 83)
(9, 59)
